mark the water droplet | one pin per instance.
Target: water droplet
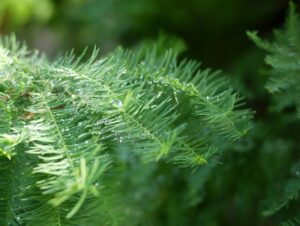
(97, 184)
(207, 97)
(124, 71)
(52, 84)
(120, 104)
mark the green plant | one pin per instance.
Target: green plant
(140, 138)
(70, 129)
(283, 83)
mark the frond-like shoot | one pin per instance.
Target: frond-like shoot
(283, 58)
(63, 123)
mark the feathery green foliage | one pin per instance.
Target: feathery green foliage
(293, 222)
(283, 59)
(64, 125)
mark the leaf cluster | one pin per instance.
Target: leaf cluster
(65, 126)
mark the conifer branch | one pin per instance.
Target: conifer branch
(69, 119)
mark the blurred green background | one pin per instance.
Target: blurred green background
(252, 171)
(214, 30)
